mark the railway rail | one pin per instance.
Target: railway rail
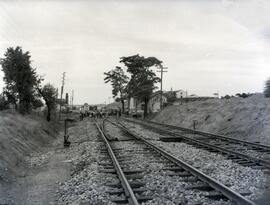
(214, 143)
(251, 145)
(134, 193)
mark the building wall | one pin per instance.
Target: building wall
(154, 103)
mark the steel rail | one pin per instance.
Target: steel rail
(262, 162)
(222, 137)
(226, 191)
(128, 191)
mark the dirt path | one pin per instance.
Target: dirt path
(47, 169)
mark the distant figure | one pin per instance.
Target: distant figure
(81, 116)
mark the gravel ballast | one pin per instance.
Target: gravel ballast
(162, 185)
(87, 184)
(235, 176)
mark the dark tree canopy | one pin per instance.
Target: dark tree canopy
(20, 78)
(143, 79)
(267, 88)
(37, 103)
(118, 80)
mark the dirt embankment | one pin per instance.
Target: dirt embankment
(19, 136)
(246, 118)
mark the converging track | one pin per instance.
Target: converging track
(135, 160)
(242, 152)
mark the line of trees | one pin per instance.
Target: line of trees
(141, 81)
(23, 86)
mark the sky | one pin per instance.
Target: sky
(208, 46)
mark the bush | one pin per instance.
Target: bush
(227, 97)
(243, 95)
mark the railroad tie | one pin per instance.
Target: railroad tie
(201, 186)
(109, 171)
(116, 191)
(105, 163)
(108, 167)
(215, 195)
(175, 169)
(188, 179)
(120, 201)
(181, 174)
(134, 176)
(127, 172)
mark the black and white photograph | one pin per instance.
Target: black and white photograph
(134, 102)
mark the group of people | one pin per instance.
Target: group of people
(98, 114)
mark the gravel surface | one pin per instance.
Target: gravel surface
(112, 132)
(87, 184)
(239, 148)
(235, 176)
(162, 187)
(231, 145)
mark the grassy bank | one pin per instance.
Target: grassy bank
(19, 136)
(246, 118)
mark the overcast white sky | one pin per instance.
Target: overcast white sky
(207, 45)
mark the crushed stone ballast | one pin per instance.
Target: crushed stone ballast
(227, 147)
(207, 186)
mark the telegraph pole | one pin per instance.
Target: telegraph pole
(162, 70)
(72, 97)
(62, 90)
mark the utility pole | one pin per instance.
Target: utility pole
(62, 90)
(72, 97)
(162, 70)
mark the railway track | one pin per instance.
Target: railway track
(242, 152)
(135, 160)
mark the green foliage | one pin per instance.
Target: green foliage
(118, 80)
(49, 94)
(267, 88)
(143, 79)
(20, 78)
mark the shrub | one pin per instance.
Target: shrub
(243, 95)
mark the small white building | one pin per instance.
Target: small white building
(154, 102)
(181, 94)
(152, 106)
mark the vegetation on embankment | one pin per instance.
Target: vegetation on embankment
(246, 118)
(19, 136)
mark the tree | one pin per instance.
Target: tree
(267, 88)
(49, 94)
(118, 80)
(20, 78)
(37, 103)
(3, 102)
(143, 79)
